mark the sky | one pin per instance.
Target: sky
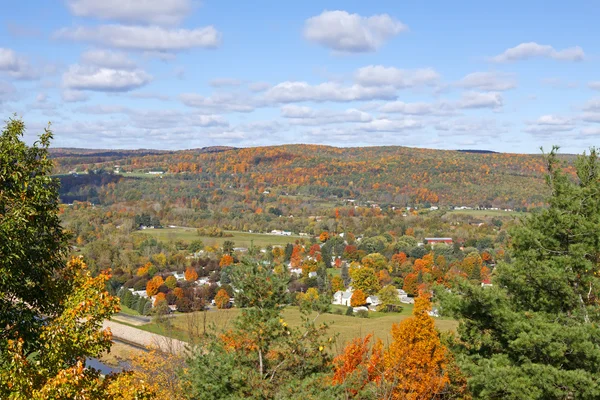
(178, 74)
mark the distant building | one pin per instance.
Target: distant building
(434, 241)
(342, 298)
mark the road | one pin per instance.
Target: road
(138, 337)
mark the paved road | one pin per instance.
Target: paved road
(143, 338)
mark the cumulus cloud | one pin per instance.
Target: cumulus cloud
(16, 66)
(290, 92)
(83, 77)
(224, 82)
(163, 12)
(400, 107)
(529, 50)
(378, 75)
(351, 33)
(548, 124)
(107, 59)
(143, 38)
(488, 81)
(480, 100)
(219, 102)
(301, 115)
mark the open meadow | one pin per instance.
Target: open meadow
(241, 239)
(345, 327)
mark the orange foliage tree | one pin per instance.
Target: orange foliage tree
(153, 285)
(358, 365)
(324, 236)
(222, 299)
(359, 298)
(159, 297)
(190, 274)
(226, 260)
(337, 284)
(415, 364)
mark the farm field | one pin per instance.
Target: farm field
(241, 239)
(345, 327)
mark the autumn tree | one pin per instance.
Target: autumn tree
(359, 298)
(153, 285)
(365, 279)
(337, 284)
(358, 369)
(171, 282)
(51, 310)
(415, 363)
(222, 299)
(190, 274)
(226, 261)
(390, 300)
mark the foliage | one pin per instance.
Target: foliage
(388, 295)
(190, 274)
(359, 298)
(222, 299)
(534, 333)
(261, 355)
(365, 279)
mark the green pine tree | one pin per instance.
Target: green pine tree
(534, 334)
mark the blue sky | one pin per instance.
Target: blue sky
(176, 74)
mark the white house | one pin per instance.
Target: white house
(297, 271)
(342, 298)
(179, 277)
(312, 274)
(141, 293)
(373, 300)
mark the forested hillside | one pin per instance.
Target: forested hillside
(391, 174)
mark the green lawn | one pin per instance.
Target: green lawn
(345, 327)
(128, 311)
(241, 239)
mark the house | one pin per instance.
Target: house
(433, 241)
(403, 296)
(179, 277)
(434, 312)
(361, 308)
(486, 283)
(312, 274)
(141, 293)
(297, 271)
(342, 298)
(155, 172)
(373, 302)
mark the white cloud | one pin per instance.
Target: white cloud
(74, 96)
(388, 125)
(594, 85)
(147, 95)
(301, 115)
(478, 127)
(378, 75)
(592, 105)
(259, 86)
(107, 59)
(488, 81)
(480, 100)
(591, 131)
(548, 124)
(219, 102)
(81, 77)
(162, 12)
(401, 107)
(351, 33)
(144, 38)
(223, 82)
(531, 49)
(591, 117)
(15, 65)
(290, 92)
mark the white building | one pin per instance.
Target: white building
(342, 298)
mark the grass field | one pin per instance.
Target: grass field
(488, 213)
(345, 327)
(241, 239)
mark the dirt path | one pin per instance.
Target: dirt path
(143, 338)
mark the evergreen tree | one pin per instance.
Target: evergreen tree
(534, 334)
